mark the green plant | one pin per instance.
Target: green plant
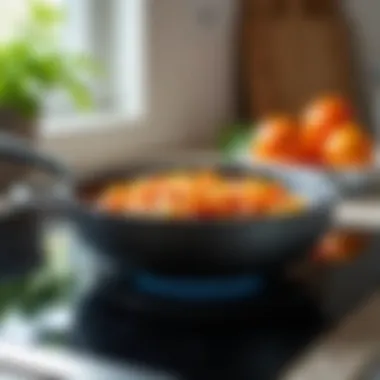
(48, 285)
(33, 63)
(235, 139)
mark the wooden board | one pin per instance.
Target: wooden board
(293, 51)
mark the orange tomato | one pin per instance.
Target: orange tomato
(277, 139)
(339, 246)
(114, 198)
(289, 205)
(139, 198)
(211, 202)
(348, 147)
(198, 195)
(319, 119)
(204, 180)
(264, 195)
(243, 198)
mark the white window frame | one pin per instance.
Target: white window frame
(181, 110)
(129, 65)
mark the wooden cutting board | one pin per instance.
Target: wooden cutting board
(293, 51)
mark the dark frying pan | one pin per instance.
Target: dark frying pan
(179, 247)
(224, 246)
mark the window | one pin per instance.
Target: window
(188, 94)
(112, 33)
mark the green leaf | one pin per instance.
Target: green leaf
(80, 94)
(235, 140)
(10, 293)
(45, 14)
(42, 296)
(33, 64)
(87, 65)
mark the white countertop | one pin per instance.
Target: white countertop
(359, 214)
(19, 362)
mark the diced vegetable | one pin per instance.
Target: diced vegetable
(200, 195)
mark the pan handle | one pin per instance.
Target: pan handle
(18, 151)
(56, 199)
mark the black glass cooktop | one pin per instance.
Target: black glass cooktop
(256, 343)
(186, 333)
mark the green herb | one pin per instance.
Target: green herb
(235, 140)
(33, 64)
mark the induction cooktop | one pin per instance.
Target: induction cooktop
(244, 328)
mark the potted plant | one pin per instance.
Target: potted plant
(33, 65)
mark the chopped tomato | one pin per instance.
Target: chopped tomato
(204, 195)
(114, 198)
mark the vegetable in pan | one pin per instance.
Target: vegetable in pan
(199, 195)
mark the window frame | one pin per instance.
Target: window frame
(128, 36)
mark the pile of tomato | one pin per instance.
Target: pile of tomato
(326, 134)
(200, 196)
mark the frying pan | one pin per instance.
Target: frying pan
(210, 247)
(195, 247)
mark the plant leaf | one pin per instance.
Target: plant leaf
(45, 14)
(235, 140)
(80, 94)
(33, 64)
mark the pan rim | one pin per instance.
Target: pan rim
(325, 207)
(322, 206)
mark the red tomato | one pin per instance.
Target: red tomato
(348, 147)
(319, 119)
(277, 139)
(340, 246)
(114, 199)
(198, 195)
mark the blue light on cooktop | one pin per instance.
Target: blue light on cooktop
(200, 288)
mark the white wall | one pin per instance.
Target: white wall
(191, 79)
(365, 21)
(364, 16)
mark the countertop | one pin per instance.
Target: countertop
(354, 345)
(346, 351)
(359, 214)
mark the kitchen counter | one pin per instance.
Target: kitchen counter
(350, 349)
(361, 214)
(345, 352)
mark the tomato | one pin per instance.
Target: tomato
(197, 195)
(204, 180)
(277, 139)
(139, 199)
(242, 198)
(348, 147)
(210, 202)
(289, 205)
(338, 246)
(114, 198)
(263, 194)
(319, 119)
